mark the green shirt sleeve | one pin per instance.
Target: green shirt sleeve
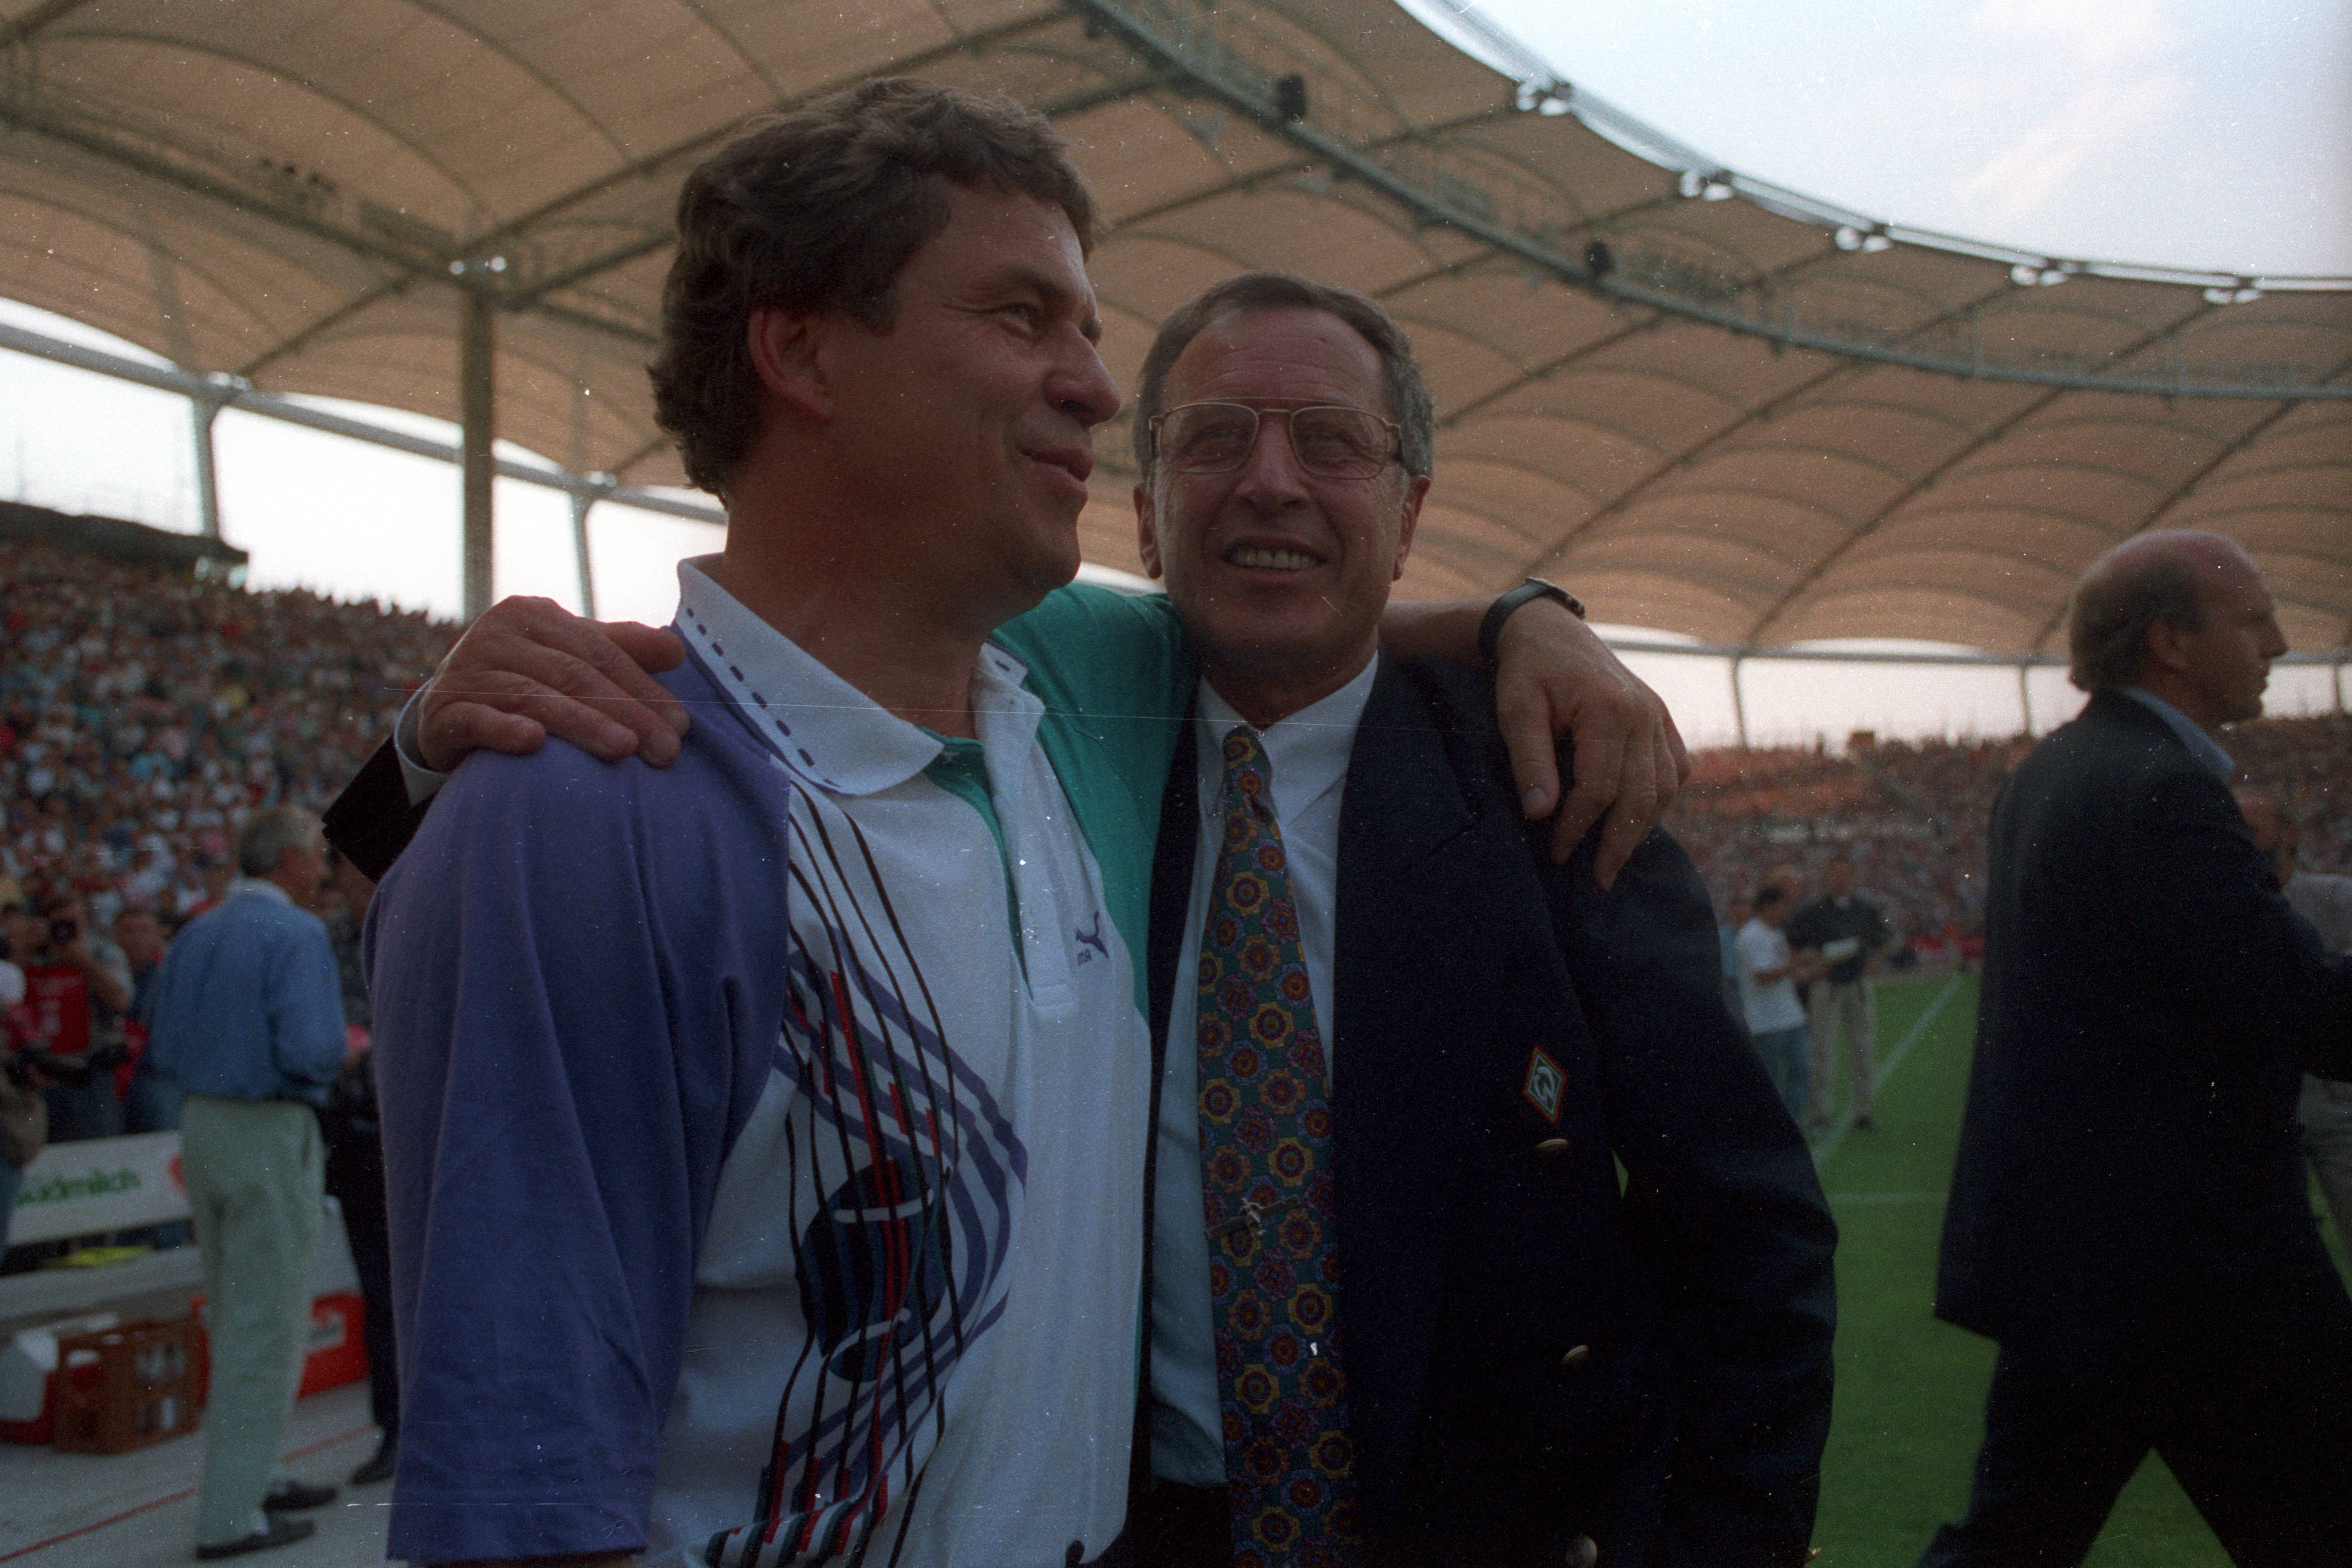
(1103, 654)
(1116, 675)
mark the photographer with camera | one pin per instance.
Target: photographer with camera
(78, 986)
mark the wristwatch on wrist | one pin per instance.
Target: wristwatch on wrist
(1490, 630)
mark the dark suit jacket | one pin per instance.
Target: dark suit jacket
(2129, 1177)
(1690, 1429)
(371, 822)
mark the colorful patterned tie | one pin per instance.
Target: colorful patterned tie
(1266, 1179)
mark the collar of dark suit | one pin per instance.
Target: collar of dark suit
(1405, 793)
(2201, 746)
(1405, 798)
(2118, 705)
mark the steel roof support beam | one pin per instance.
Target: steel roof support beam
(202, 411)
(582, 501)
(478, 409)
(228, 392)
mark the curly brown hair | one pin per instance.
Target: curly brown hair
(818, 209)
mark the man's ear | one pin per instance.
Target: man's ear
(785, 347)
(2165, 646)
(1146, 532)
(1411, 516)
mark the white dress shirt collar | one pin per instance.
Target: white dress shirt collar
(1308, 751)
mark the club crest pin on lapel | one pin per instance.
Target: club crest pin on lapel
(1545, 1082)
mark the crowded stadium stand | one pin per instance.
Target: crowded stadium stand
(144, 708)
(1912, 815)
(150, 704)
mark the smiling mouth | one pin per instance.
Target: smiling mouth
(1077, 464)
(1266, 559)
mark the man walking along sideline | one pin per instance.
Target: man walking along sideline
(1847, 933)
(2129, 1217)
(797, 1095)
(249, 1022)
(1279, 546)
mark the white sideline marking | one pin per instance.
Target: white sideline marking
(1845, 1124)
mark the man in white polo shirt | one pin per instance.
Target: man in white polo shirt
(1768, 974)
(765, 1136)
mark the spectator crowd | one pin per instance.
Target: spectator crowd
(143, 712)
(1912, 815)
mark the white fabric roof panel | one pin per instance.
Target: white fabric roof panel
(1764, 421)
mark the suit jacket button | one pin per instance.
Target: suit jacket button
(1583, 1553)
(1551, 1151)
(1576, 1357)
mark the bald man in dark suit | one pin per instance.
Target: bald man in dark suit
(2128, 1217)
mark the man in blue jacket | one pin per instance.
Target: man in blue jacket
(249, 1021)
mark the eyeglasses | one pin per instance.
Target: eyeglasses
(1330, 442)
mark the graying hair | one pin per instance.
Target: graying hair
(1409, 401)
(263, 838)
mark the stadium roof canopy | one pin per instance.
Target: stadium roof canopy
(1714, 406)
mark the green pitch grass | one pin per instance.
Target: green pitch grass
(1910, 1390)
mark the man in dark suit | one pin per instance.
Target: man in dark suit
(2128, 1215)
(1537, 1368)
(1522, 1363)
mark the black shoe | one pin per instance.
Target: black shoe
(381, 1467)
(292, 1497)
(281, 1533)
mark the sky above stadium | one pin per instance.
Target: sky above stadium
(2186, 132)
(2198, 133)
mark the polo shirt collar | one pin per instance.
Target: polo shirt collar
(2203, 746)
(261, 885)
(1308, 751)
(824, 730)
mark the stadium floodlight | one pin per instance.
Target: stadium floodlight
(2243, 292)
(1545, 96)
(1711, 187)
(1869, 240)
(2027, 275)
